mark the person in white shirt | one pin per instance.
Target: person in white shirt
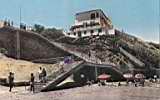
(40, 73)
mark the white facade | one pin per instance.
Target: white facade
(29, 28)
(85, 25)
(111, 31)
(86, 33)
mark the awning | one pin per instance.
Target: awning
(104, 77)
(128, 76)
(139, 76)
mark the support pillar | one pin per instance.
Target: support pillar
(96, 73)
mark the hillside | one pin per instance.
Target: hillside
(32, 45)
(127, 52)
(107, 49)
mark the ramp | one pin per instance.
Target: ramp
(69, 69)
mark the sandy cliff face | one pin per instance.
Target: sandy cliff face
(22, 69)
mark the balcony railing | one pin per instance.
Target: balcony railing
(87, 28)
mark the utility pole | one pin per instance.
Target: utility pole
(159, 29)
(18, 44)
(18, 55)
(20, 17)
(159, 34)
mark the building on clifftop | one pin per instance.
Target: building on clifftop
(89, 23)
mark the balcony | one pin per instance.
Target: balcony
(85, 26)
(97, 20)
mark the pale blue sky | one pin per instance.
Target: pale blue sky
(137, 17)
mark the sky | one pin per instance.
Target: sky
(137, 17)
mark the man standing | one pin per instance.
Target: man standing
(32, 83)
(44, 74)
(61, 65)
(40, 73)
(11, 81)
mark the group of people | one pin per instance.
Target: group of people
(42, 77)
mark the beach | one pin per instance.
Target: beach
(93, 92)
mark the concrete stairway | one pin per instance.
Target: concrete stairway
(132, 58)
(68, 69)
(83, 56)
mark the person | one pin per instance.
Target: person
(135, 82)
(89, 83)
(142, 82)
(32, 82)
(5, 23)
(155, 78)
(40, 73)
(9, 23)
(11, 81)
(151, 80)
(127, 82)
(119, 83)
(61, 66)
(44, 74)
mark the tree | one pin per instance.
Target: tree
(3, 51)
(52, 33)
(38, 28)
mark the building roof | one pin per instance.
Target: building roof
(89, 11)
(99, 10)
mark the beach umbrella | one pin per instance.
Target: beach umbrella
(139, 76)
(128, 76)
(104, 77)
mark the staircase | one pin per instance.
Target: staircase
(131, 57)
(57, 78)
(83, 56)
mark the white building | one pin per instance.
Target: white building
(29, 28)
(2, 23)
(89, 23)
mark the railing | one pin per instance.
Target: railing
(83, 56)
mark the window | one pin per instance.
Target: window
(79, 34)
(92, 23)
(85, 24)
(92, 31)
(85, 32)
(99, 30)
(97, 15)
(68, 33)
(93, 16)
(74, 33)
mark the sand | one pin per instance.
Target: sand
(22, 69)
(85, 93)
